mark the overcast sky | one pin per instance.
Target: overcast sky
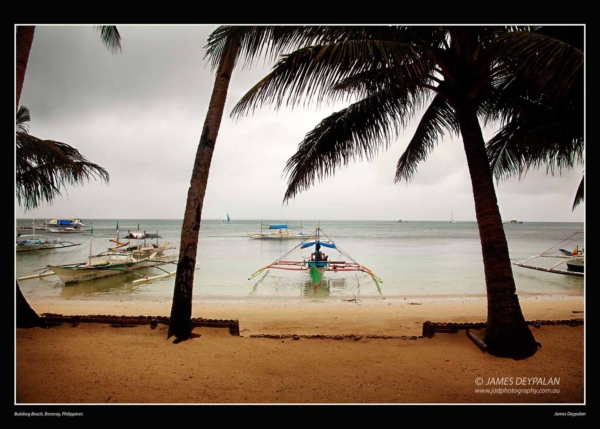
(139, 114)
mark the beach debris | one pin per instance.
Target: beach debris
(478, 342)
(351, 299)
(296, 337)
(577, 311)
(415, 303)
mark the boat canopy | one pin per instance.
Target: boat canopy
(312, 243)
(278, 226)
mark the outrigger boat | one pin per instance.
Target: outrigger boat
(25, 243)
(29, 242)
(68, 222)
(318, 263)
(284, 232)
(573, 260)
(112, 262)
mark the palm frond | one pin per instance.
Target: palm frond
(22, 118)
(354, 133)
(579, 195)
(523, 144)
(438, 117)
(549, 62)
(277, 40)
(44, 167)
(110, 37)
(311, 72)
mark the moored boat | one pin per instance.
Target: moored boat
(573, 260)
(283, 233)
(318, 263)
(117, 260)
(26, 243)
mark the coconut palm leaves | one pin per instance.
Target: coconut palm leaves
(110, 37)
(542, 125)
(44, 167)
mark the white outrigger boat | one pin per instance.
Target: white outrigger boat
(574, 261)
(283, 233)
(108, 264)
(30, 242)
(27, 243)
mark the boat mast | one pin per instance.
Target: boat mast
(91, 239)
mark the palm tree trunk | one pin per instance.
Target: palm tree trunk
(24, 43)
(181, 311)
(507, 333)
(26, 316)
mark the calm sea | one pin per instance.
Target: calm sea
(412, 259)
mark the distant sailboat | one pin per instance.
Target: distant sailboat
(452, 218)
(228, 219)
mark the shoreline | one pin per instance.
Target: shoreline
(327, 315)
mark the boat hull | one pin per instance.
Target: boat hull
(30, 247)
(106, 266)
(575, 265)
(81, 274)
(277, 236)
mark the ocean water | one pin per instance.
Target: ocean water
(414, 259)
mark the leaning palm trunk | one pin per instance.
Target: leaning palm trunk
(26, 316)
(507, 334)
(181, 311)
(24, 42)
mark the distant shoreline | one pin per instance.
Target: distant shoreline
(135, 219)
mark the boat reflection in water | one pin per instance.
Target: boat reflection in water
(282, 285)
(123, 284)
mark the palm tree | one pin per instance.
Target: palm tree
(545, 126)
(225, 47)
(389, 73)
(43, 166)
(180, 323)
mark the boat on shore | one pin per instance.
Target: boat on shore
(318, 263)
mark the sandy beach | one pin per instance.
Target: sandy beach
(100, 363)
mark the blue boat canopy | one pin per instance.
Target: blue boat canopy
(281, 226)
(312, 243)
